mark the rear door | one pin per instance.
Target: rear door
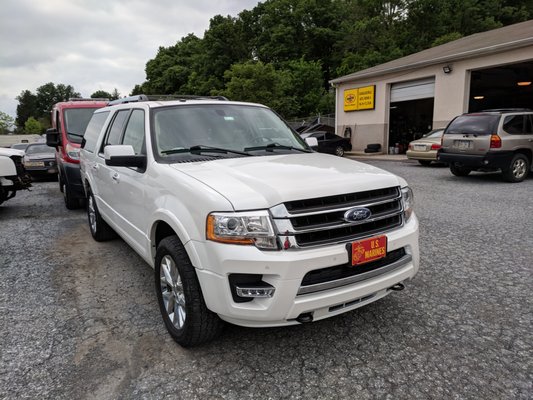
(520, 132)
(470, 133)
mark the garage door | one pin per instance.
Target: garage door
(412, 90)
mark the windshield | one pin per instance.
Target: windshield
(76, 120)
(39, 148)
(476, 124)
(237, 128)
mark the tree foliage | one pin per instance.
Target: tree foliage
(32, 126)
(6, 123)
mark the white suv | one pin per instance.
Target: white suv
(240, 220)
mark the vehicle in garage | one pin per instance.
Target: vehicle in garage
(425, 149)
(329, 142)
(40, 160)
(491, 140)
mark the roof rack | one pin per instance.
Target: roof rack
(87, 99)
(506, 109)
(163, 97)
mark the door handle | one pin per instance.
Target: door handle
(116, 177)
(95, 167)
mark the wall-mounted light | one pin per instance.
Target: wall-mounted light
(479, 97)
(447, 68)
(523, 83)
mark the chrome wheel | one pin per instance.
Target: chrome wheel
(519, 168)
(91, 210)
(339, 151)
(172, 292)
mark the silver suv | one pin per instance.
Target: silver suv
(488, 141)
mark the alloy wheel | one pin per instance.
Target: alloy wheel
(92, 214)
(172, 292)
(519, 168)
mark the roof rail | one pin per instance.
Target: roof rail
(87, 99)
(506, 109)
(163, 97)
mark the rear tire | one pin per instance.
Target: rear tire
(517, 170)
(425, 163)
(339, 151)
(180, 298)
(100, 230)
(459, 171)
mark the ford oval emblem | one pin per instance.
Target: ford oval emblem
(357, 214)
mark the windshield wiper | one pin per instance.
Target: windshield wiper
(200, 148)
(75, 134)
(272, 146)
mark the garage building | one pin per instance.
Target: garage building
(396, 102)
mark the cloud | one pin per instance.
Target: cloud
(93, 45)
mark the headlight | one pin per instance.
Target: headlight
(408, 202)
(252, 227)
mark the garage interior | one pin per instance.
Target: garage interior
(506, 86)
(411, 112)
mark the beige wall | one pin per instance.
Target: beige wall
(451, 95)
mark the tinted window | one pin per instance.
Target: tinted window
(115, 132)
(76, 120)
(514, 124)
(93, 131)
(134, 134)
(529, 124)
(479, 124)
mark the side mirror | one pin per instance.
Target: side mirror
(52, 138)
(123, 156)
(312, 142)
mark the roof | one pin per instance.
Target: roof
(494, 41)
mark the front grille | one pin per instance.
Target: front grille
(320, 221)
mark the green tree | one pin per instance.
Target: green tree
(6, 123)
(101, 94)
(32, 126)
(49, 94)
(26, 107)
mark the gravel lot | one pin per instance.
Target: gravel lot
(79, 319)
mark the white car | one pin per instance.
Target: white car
(13, 177)
(240, 220)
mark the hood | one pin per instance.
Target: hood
(11, 152)
(265, 181)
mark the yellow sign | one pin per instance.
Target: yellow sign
(359, 99)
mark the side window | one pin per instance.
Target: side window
(93, 131)
(529, 125)
(114, 132)
(134, 133)
(331, 136)
(514, 124)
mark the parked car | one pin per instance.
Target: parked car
(491, 140)
(329, 142)
(40, 160)
(69, 120)
(217, 196)
(425, 149)
(19, 146)
(13, 177)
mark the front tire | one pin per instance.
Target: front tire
(71, 202)
(459, 171)
(100, 230)
(517, 170)
(180, 297)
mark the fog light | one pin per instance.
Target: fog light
(255, 291)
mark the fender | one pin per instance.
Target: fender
(7, 166)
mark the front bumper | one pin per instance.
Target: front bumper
(489, 160)
(284, 270)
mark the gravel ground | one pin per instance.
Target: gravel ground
(79, 319)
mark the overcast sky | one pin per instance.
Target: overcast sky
(93, 44)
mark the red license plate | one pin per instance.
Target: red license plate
(369, 250)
